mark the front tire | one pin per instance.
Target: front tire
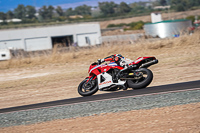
(142, 82)
(85, 90)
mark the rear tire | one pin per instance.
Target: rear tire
(143, 82)
(91, 91)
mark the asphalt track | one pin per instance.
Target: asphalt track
(107, 96)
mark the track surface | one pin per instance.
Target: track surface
(149, 90)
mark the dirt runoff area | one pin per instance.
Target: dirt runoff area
(29, 83)
(175, 119)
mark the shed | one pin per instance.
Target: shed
(44, 38)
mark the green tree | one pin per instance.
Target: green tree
(30, 12)
(9, 15)
(46, 12)
(182, 5)
(20, 12)
(60, 14)
(69, 12)
(83, 10)
(107, 8)
(2, 16)
(50, 12)
(60, 11)
(178, 5)
(124, 8)
(137, 8)
(163, 2)
(43, 12)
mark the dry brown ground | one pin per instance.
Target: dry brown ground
(56, 77)
(28, 83)
(175, 119)
(165, 16)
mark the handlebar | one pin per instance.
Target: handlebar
(95, 63)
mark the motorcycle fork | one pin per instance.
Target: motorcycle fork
(89, 82)
(91, 78)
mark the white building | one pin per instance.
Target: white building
(156, 17)
(12, 20)
(44, 38)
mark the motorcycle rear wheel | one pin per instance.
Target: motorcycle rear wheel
(142, 82)
(87, 90)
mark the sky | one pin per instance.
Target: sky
(6, 5)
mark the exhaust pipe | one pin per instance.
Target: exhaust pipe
(148, 64)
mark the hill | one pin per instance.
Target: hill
(165, 16)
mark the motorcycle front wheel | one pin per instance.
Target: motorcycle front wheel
(87, 89)
(142, 79)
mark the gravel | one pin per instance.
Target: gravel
(98, 107)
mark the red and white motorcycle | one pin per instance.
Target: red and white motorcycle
(111, 77)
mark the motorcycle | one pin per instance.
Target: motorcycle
(112, 77)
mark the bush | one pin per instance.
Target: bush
(138, 26)
(192, 18)
(116, 25)
(133, 26)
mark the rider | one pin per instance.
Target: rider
(118, 59)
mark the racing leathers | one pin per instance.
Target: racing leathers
(118, 59)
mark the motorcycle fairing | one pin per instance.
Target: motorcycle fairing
(103, 68)
(142, 59)
(105, 81)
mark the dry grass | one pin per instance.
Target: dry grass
(165, 16)
(126, 48)
(56, 76)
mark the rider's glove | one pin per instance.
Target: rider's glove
(100, 61)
